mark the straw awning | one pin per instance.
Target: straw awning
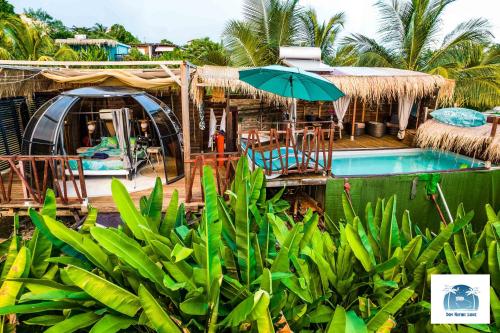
(367, 83)
(470, 140)
(24, 81)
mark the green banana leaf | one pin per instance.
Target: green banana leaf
(245, 251)
(128, 250)
(436, 245)
(40, 248)
(154, 206)
(158, 318)
(112, 323)
(20, 268)
(128, 212)
(74, 323)
(115, 297)
(389, 309)
(169, 221)
(80, 242)
(357, 247)
(45, 320)
(12, 250)
(451, 259)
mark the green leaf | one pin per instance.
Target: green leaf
(80, 242)
(54, 295)
(20, 268)
(436, 245)
(228, 230)
(211, 229)
(115, 297)
(245, 253)
(158, 318)
(128, 250)
(494, 264)
(260, 312)
(180, 253)
(338, 322)
(169, 221)
(154, 206)
(13, 249)
(389, 309)
(389, 231)
(90, 220)
(38, 307)
(357, 247)
(40, 248)
(490, 213)
(495, 306)
(45, 320)
(74, 323)
(451, 259)
(411, 252)
(348, 211)
(195, 306)
(112, 323)
(128, 212)
(49, 205)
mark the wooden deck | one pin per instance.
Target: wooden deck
(370, 142)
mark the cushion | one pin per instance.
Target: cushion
(109, 142)
(459, 117)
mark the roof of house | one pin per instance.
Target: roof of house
(90, 41)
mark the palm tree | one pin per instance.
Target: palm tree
(99, 30)
(267, 25)
(29, 39)
(476, 70)
(408, 36)
(322, 35)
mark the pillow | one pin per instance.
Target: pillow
(112, 142)
(459, 117)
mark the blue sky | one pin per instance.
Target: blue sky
(179, 21)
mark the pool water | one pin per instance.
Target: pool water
(396, 161)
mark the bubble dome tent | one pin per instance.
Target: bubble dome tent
(72, 119)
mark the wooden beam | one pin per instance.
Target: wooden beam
(88, 63)
(171, 74)
(354, 118)
(186, 132)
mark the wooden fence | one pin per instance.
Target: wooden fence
(27, 179)
(289, 151)
(277, 152)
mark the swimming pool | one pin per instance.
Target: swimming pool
(397, 161)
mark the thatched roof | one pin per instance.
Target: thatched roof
(363, 82)
(474, 141)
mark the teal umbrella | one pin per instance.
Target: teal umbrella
(291, 82)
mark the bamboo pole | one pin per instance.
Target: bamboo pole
(376, 112)
(319, 109)
(354, 118)
(186, 132)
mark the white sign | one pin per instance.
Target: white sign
(460, 299)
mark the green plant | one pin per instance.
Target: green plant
(243, 264)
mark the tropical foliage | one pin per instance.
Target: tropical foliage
(242, 265)
(408, 34)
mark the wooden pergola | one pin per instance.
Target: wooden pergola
(178, 71)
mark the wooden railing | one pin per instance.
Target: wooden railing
(224, 166)
(27, 179)
(305, 147)
(272, 150)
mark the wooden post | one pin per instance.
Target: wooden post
(186, 132)
(353, 128)
(363, 112)
(319, 109)
(494, 127)
(376, 112)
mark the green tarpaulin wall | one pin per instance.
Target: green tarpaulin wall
(473, 188)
